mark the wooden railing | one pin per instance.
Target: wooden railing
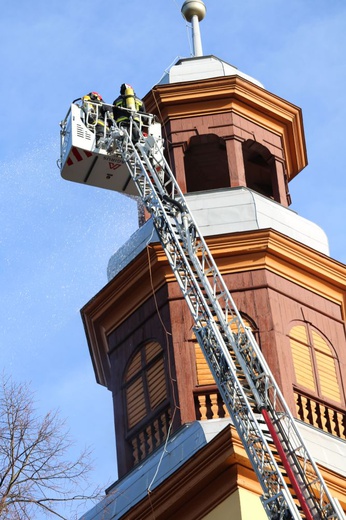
(145, 440)
(319, 414)
(209, 404)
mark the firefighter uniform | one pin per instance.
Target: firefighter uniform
(94, 113)
(127, 105)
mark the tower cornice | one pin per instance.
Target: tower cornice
(234, 94)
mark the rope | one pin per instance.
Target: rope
(171, 379)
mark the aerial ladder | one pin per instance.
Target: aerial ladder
(292, 485)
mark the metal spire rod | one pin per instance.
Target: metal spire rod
(194, 11)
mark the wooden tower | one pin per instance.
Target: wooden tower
(234, 148)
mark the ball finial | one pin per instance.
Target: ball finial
(193, 8)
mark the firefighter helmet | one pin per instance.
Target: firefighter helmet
(94, 96)
(123, 87)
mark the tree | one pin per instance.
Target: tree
(36, 474)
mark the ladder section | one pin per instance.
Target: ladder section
(292, 485)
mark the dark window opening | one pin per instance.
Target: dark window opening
(260, 170)
(206, 165)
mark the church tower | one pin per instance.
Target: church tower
(234, 148)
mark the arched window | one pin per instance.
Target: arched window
(204, 376)
(206, 163)
(260, 169)
(208, 401)
(315, 363)
(145, 383)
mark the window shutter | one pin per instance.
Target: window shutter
(157, 384)
(204, 376)
(315, 363)
(326, 368)
(145, 383)
(136, 409)
(302, 358)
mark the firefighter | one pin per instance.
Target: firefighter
(94, 114)
(124, 106)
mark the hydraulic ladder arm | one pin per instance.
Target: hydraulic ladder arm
(250, 393)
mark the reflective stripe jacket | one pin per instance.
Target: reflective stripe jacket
(123, 115)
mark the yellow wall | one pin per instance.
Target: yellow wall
(241, 505)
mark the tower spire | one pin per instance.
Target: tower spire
(194, 11)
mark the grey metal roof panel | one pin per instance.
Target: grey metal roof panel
(162, 463)
(228, 210)
(328, 450)
(202, 67)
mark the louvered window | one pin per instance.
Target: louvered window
(315, 363)
(204, 376)
(145, 383)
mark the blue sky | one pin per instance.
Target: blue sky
(56, 236)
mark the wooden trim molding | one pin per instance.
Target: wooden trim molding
(269, 249)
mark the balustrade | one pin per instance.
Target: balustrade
(145, 440)
(320, 414)
(209, 404)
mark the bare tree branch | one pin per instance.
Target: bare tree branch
(35, 471)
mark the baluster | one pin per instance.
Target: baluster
(142, 450)
(341, 421)
(214, 406)
(197, 408)
(222, 410)
(156, 435)
(202, 407)
(149, 438)
(323, 417)
(320, 415)
(315, 414)
(306, 410)
(209, 413)
(330, 422)
(299, 406)
(164, 423)
(135, 451)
